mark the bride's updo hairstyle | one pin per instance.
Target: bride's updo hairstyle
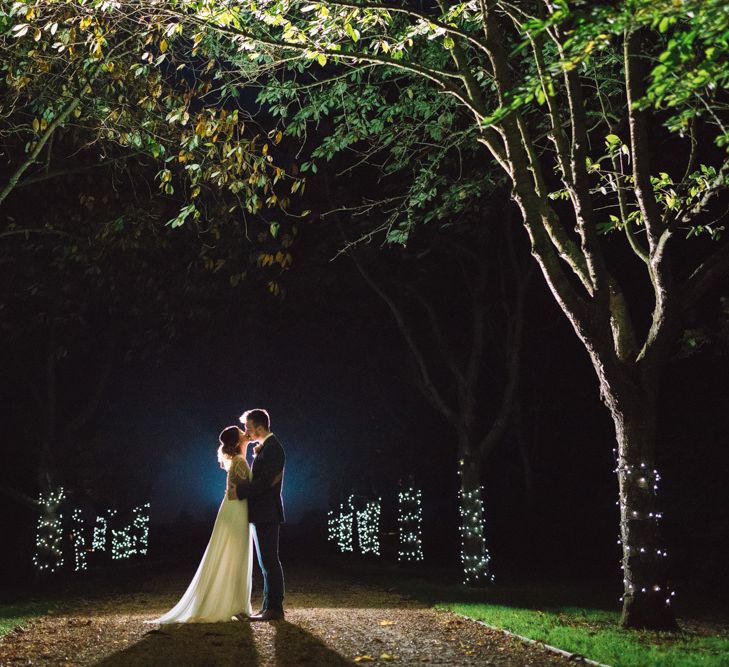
(229, 439)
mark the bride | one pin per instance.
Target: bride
(221, 587)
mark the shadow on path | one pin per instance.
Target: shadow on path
(296, 646)
(211, 644)
(190, 644)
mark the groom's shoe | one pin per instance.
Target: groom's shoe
(269, 615)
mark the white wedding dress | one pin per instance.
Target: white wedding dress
(221, 586)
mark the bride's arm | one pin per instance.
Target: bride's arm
(237, 473)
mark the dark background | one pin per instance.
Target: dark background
(330, 366)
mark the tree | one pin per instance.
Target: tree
(570, 101)
(452, 367)
(117, 76)
(377, 126)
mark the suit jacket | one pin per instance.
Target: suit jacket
(264, 498)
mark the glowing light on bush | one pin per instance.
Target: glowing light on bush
(340, 527)
(409, 519)
(51, 535)
(101, 531)
(368, 527)
(48, 554)
(133, 538)
(140, 527)
(78, 539)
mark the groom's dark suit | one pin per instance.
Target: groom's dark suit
(266, 513)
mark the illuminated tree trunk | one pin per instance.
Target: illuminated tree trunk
(475, 556)
(647, 596)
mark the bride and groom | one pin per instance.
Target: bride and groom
(252, 510)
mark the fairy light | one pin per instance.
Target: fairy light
(340, 526)
(332, 527)
(345, 537)
(101, 531)
(48, 555)
(475, 557)
(643, 481)
(368, 527)
(140, 528)
(78, 540)
(125, 542)
(133, 538)
(122, 543)
(409, 519)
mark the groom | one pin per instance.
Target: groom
(265, 509)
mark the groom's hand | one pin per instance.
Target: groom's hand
(240, 490)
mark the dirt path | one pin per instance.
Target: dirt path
(330, 621)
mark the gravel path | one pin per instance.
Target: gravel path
(330, 620)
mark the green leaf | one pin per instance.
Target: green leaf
(352, 32)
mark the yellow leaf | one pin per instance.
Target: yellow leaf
(36, 125)
(386, 622)
(264, 150)
(387, 656)
(163, 46)
(364, 658)
(279, 136)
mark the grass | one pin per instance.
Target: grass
(13, 615)
(579, 617)
(596, 634)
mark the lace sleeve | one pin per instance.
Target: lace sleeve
(238, 472)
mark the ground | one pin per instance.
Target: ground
(330, 620)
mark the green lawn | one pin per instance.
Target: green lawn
(579, 617)
(11, 616)
(596, 634)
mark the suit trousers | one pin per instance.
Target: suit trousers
(265, 536)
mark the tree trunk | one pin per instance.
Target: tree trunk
(526, 456)
(647, 596)
(475, 556)
(45, 467)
